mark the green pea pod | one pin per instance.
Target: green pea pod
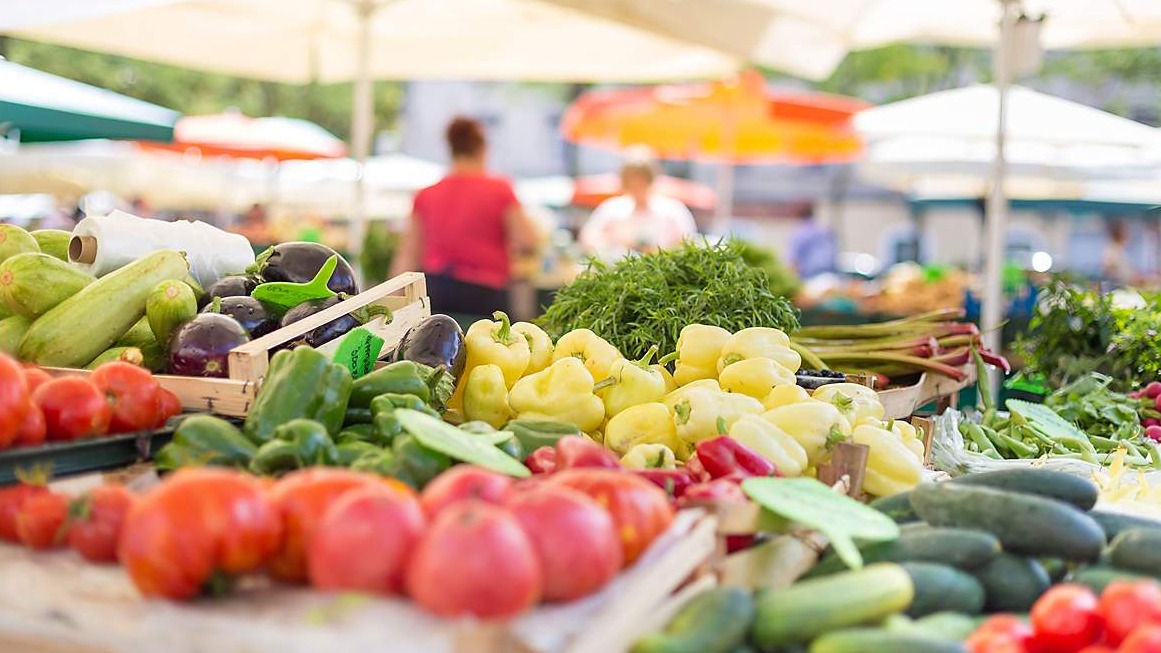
(205, 440)
(1019, 448)
(356, 433)
(417, 461)
(976, 435)
(1103, 444)
(404, 378)
(534, 433)
(389, 401)
(351, 452)
(275, 457)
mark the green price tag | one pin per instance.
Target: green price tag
(286, 296)
(358, 351)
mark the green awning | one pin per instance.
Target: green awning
(44, 107)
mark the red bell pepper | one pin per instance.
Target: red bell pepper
(541, 461)
(723, 490)
(579, 451)
(723, 456)
(674, 481)
(696, 469)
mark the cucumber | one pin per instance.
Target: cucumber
(939, 588)
(1056, 568)
(14, 240)
(1012, 583)
(124, 354)
(171, 304)
(897, 507)
(715, 621)
(1024, 524)
(54, 242)
(951, 626)
(1098, 578)
(12, 330)
(139, 335)
(798, 614)
(106, 309)
(881, 640)
(1114, 522)
(1046, 483)
(1137, 550)
(32, 283)
(955, 547)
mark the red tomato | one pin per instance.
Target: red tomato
(302, 498)
(168, 405)
(474, 560)
(464, 482)
(32, 430)
(1000, 634)
(1126, 605)
(73, 408)
(1145, 639)
(1066, 619)
(41, 522)
(132, 393)
(575, 540)
(35, 377)
(365, 540)
(13, 399)
(95, 522)
(199, 524)
(641, 511)
(1098, 648)
(12, 499)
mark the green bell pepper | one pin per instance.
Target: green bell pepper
(298, 443)
(205, 440)
(389, 401)
(351, 452)
(404, 378)
(356, 433)
(357, 416)
(417, 462)
(300, 383)
(534, 433)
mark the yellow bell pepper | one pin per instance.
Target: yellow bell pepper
(891, 467)
(856, 402)
(649, 456)
(912, 437)
(698, 349)
(650, 423)
(759, 342)
(815, 425)
(702, 413)
(670, 384)
(784, 395)
(631, 383)
(594, 351)
(772, 443)
(492, 342)
(486, 397)
(563, 392)
(539, 346)
(675, 397)
(755, 377)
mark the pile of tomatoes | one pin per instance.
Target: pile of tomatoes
(472, 543)
(1069, 618)
(117, 397)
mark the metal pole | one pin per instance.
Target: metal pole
(362, 125)
(992, 309)
(724, 210)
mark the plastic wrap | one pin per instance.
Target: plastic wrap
(102, 244)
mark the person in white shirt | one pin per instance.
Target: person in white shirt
(639, 220)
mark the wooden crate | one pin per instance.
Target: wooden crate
(902, 402)
(54, 602)
(405, 295)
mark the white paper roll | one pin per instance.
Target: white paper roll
(121, 238)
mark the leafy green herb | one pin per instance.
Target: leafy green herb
(642, 301)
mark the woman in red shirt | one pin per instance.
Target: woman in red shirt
(464, 230)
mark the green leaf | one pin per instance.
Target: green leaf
(1045, 419)
(436, 434)
(811, 503)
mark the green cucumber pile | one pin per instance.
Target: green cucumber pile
(979, 544)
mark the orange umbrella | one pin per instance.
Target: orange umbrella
(591, 190)
(239, 136)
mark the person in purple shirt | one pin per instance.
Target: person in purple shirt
(812, 246)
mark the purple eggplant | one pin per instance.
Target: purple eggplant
(252, 314)
(436, 341)
(201, 347)
(300, 262)
(325, 333)
(235, 285)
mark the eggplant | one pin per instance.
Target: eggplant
(326, 332)
(252, 314)
(235, 285)
(300, 262)
(201, 347)
(436, 341)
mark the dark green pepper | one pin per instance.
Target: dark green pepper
(205, 440)
(384, 463)
(357, 416)
(356, 433)
(404, 377)
(417, 462)
(300, 383)
(534, 433)
(386, 429)
(389, 401)
(351, 452)
(298, 443)
(512, 447)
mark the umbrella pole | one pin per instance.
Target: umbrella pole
(992, 309)
(362, 126)
(724, 209)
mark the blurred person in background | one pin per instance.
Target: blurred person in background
(639, 219)
(1116, 267)
(253, 225)
(812, 247)
(464, 231)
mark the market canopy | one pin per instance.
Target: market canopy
(38, 106)
(238, 136)
(590, 190)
